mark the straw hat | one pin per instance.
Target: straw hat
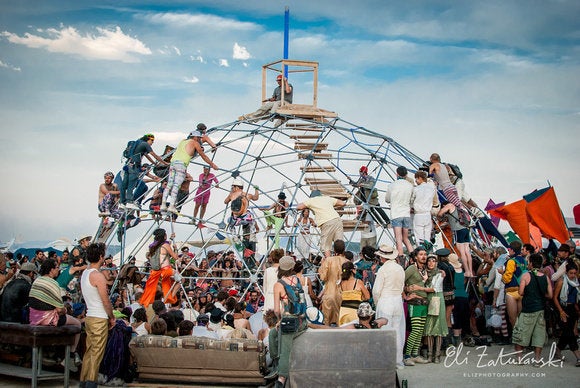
(286, 263)
(387, 252)
(454, 261)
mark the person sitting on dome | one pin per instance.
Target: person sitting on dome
(272, 104)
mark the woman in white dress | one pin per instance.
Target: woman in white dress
(271, 277)
(303, 240)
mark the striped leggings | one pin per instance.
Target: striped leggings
(503, 330)
(414, 339)
(177, 172)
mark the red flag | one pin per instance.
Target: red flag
(544, 211)
(576, 211)
(248, 252)
(515, 214)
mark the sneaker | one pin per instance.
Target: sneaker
(193, 221)
(77, 359)
(172, 209)
(420, 360)
(132, 206)
(121, 206)
(577, 361)
(273, 373)
(72, 367)
(408, 362)
(104, 214)
(163, 208)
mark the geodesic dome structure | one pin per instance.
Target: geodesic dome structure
(297, 149)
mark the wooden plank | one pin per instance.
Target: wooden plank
(351, 225)
(310, 146)
(318, 169)
(315, 155)
(327, 186)
(319, 180)
(298, 137)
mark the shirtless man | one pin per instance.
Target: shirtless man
(108, 197)
(240, 202)
(185, 151)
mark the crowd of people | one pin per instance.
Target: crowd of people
(463, 293)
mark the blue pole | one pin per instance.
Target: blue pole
(286, 33)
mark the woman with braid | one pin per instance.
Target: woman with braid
(416, 277)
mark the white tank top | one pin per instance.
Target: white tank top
(92, 298)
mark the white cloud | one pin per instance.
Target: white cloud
(197, 58)
(192, 80)
(111, 45)
(224, 63)
(177, 50)
(240, 52)
(9, 66)
(200, 20)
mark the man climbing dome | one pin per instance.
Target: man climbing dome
(185, 151)
(240, 202)
(134, 153)
(327, 218)
(368, 193)
(272, 104)
(108, 197)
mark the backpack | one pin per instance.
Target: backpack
(455, 170)
(239, 205)
(130, 149)
(296, 300)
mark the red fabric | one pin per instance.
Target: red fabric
(545, 213)
(536, 235)
(576, 211)
(515, 214)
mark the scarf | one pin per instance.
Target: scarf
(566, 283)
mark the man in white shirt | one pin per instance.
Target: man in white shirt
(399, 194)
(422, 203)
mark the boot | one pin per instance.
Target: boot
(437, 358)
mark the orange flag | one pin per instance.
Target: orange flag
(544, 212)
(515, 214)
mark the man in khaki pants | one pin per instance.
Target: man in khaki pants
(99, 318)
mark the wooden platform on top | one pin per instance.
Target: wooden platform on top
(305, 111)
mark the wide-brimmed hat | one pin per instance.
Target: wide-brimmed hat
(387, 252)
(84, 237)
(286, 263)
(442, 252)
(365, 310)
(454, 261)
(314, 315)
(29, 267)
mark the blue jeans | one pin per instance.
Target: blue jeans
(129, 182)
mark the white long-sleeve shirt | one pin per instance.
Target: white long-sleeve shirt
(399, 194)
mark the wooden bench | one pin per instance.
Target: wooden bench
(37, 337)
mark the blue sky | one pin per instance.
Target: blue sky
(492, 86)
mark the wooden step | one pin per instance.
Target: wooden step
(351, 225)
(319, 180)
(318, 169)
(298, 137)
(331, 186)
(349, 210)
(315, 155)
(310, 146)
(307, 129)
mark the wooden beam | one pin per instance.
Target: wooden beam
(318, 169)
(315, 155)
